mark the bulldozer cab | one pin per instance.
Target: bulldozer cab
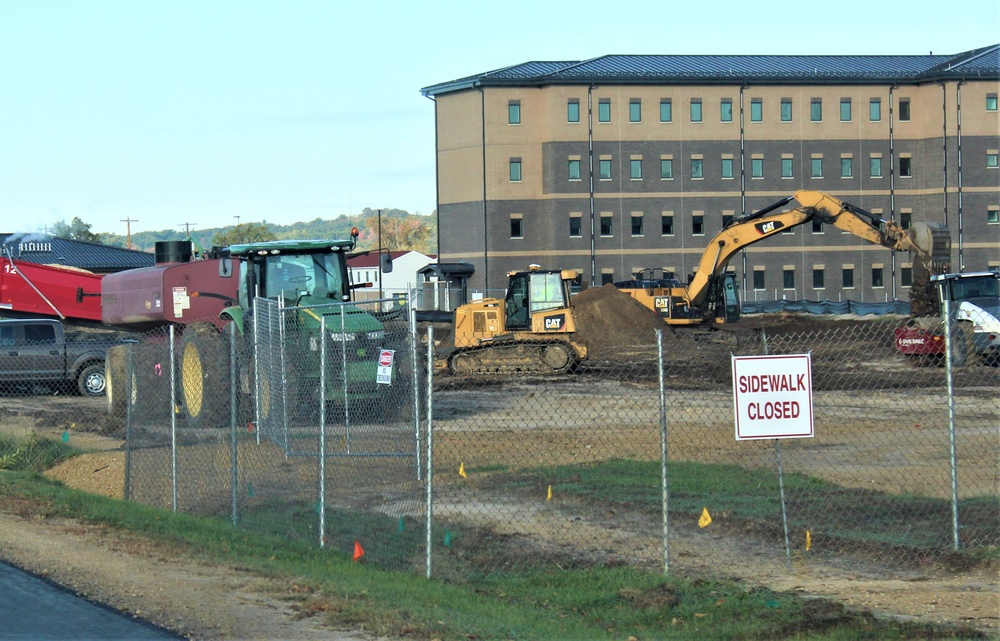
(533, 292)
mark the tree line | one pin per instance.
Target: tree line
(400, 231)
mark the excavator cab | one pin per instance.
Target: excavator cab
(727, 306)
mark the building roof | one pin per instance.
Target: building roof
(45, 249)
(983, 63)
(371, 259)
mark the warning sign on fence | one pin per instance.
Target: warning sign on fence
(773, 396)
(385, 358)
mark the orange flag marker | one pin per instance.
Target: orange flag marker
(358, 551)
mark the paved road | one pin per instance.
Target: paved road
(34, 608)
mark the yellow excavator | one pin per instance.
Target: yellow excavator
(530, 331)
(711, 294)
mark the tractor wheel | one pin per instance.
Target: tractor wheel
(114, 373)
(203, 363)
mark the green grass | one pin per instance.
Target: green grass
(594, 603)
(844, 516)
(32, 453)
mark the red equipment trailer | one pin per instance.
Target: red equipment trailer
(50, 290)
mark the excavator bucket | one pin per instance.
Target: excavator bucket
(933, 242)
(932, 246)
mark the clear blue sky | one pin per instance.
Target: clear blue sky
(197, 111)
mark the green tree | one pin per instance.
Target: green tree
(243, 233)
(76, 230)
(416, 233)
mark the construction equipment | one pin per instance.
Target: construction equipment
(202, 294)
(974, 302)
(32, 290)
(530, 330)
(711, 295)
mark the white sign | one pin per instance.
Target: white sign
(384, 375)
(773, 396)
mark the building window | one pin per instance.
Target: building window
(877, 277)
(575, 227)
(786, 110)
(573, 110)
(698, 225)
(993, 216)
(848, 278)
(788, 278)
(635, 169)
(816, 168)
(845, 110)
(667, 225)
(905, 219)
(696, 110)
(515, 170)
(756, 167)
(604, 167)
(726, 110)
(904, 109)
(574, 170)
(696, 169)
(906, 276)
(991, 160)
(666, 168)
(786, 167)
(604, 110)
(514, 113)
(516, 230)
(991, 102)
(726, 220)
(818, 278)
(904, 167)
(637, 224)
(607, 278)
(875, 167)
(846, 167)
(758, 279)
(817, 226)
(666, 110)
(606, 224)
(875, 109)
(727, 167)
(756, 110)
(816, 109)
(635, 110)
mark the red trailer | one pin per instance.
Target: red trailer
(68, 293)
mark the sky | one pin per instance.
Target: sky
(194, 114)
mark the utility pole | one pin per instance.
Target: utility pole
(187, 227)
(128, 228)
(237, 220)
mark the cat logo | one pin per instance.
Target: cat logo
(768, 228)
(555, 323)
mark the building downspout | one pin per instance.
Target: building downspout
(958, 125)
(892, 187)
(437, 181)
(944, 149)
(486, 228)
(743, 184)
(590, 188)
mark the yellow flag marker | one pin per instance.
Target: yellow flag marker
(549, 497)
(809, 540)
(706, 519)
(461, 470)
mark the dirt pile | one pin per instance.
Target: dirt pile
(608, 320)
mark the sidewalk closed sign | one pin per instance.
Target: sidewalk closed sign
(773, 396)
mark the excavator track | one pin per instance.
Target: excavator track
(548, 357)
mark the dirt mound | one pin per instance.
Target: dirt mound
(608, 320)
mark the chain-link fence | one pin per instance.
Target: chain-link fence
(315, 424)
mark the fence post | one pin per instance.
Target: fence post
(430, 440)
(949, 366)
(415, 375)
(129, 373)
(173, 422)
(233, 418)
(322, 431)
(664, 486)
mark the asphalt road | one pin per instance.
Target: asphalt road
(34, 608)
